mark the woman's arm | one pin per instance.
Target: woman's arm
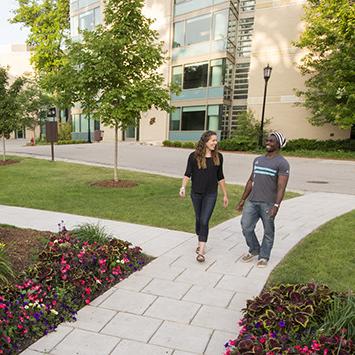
(222, 184)
(182, 191)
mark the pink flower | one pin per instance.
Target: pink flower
(102, 262)
(87, 301)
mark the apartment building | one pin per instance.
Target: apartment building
(217, 50)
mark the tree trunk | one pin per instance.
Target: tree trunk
(3, 148)
(115, 175)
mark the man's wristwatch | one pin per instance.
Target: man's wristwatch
(276, 205)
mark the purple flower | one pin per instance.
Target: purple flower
(257, 325)
(37, 316)
(282, 324)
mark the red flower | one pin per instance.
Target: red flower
(87, 301)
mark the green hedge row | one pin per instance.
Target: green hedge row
(178, 144)
(245, 144)
(345, 145)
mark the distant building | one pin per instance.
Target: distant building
(217, 52)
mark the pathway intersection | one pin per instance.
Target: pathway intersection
(175, 305)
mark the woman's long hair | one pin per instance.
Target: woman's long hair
(200, 152)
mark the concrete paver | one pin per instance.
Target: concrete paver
(176, 305)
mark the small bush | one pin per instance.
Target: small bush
(177, 144)
(91, 233)
(64, 131)
(167, 143)
(190, 145)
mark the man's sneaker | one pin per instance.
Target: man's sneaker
(261, 263)
(248, 257)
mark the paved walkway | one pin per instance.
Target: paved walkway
(306, 174)
(175, 305)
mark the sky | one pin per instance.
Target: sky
(10, 33)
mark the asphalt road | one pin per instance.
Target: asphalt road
(306, 174)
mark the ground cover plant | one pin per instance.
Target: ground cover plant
(289, 319)
(68, 188)
(69, 273)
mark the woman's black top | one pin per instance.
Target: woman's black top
(204, 180)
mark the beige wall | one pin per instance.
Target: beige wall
(277, 24)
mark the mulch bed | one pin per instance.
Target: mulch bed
(111, 184)
(8, 162)
(22, 245)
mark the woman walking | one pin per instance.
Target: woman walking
(205, 169)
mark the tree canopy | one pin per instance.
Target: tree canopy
(329, 64)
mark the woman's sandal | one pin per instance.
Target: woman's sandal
(200, 258)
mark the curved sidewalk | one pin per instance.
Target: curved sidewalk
(176, 305)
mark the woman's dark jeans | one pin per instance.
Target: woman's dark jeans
(203, 205)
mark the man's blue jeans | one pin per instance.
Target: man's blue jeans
(252, 212)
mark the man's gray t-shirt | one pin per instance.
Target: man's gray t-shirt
(265, 175)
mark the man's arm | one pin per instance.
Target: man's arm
(281, 188)
(247, 190)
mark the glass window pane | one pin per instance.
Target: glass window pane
(97, 16)
(177, 75)
(195, 76)
(193, 120)
(198, 29)
(175, 120)
(217, 72)
(179, 34)
(84, 124)
(87, 21)
(220, 25)
(74, 26)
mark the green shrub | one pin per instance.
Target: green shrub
(325, 146)
(241, 144)
(60, 142)
(91, 233)
(177, 144)
(64, 131)
(340, 316)
(167, 143)
(6, 272)
(191, 145)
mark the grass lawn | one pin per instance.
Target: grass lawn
(326, 256)
(64, 187)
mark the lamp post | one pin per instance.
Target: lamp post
(267, 74)
(89, 132)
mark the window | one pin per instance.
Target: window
(195, 75)
(247, 5)
(246, 26)
(74, 26)
(217, 72)
(220, 29)
(179, 37)
(175, 119)
(241, 81)
(193, 118)
(177, 75)
(198, 29)
(213, 118)
(88, 20)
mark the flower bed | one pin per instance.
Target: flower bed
(70, 272)
(288, 319)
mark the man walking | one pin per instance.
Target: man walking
(262, 197)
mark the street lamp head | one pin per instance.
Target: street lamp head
(267, 72)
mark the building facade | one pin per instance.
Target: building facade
(217, 50)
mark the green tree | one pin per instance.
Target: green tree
(48, 24)
(329, 64)
(34, 102)
(11, 107)
(248, 129)
(116, 67)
